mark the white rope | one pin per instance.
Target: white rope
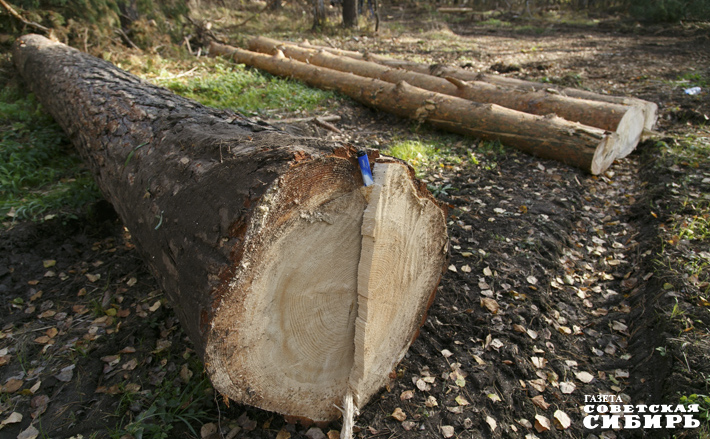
(349, 412)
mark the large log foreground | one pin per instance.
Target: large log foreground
(268, 246)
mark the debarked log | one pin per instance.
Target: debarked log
(650, 109)
(627, 121)
(299, 287)
(589, 148)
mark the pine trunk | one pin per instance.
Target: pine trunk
(268, 245)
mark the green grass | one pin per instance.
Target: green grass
(40, 174)
(170, 404)
(247, 91)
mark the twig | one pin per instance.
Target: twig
(14, 13)
(323, 124)
(304, 119)
(124, 36)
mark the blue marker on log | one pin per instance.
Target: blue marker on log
(364, 163)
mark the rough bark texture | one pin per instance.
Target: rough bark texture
(256, 236)
(626, 121)
(588, 148)
(650, 109)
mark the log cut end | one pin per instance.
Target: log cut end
(629, 130)
(335, 276)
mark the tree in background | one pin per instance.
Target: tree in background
(350, 13)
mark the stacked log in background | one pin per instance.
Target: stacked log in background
(588, 132)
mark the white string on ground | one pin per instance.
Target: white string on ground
(349, 412)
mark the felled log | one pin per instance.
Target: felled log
(626, 121)
(300, 288)
(650, 109)
(588, 148)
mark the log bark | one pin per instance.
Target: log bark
(626, 121)
(588, 148)
(650, 109)
(268, 245)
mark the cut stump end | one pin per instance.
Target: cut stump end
(334, 295)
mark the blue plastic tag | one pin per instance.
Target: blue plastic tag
(364, 163)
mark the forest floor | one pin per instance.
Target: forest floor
(561, 286)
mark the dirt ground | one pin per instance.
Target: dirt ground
(554, 290)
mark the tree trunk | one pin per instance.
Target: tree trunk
(588, 148)
(649, 109)
(626, 121)
(268, 245)
(318, 13)
(350, 13)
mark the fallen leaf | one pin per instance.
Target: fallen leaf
(532, 280)
(93, 277)
(406, 425)
(466, 269)
(565, 330)
(542, 424)
(35, 387)
(66, 374)
(49, 263)
(524, 422)
(539, 384)
(282, 434)
(452, 267)
(399, 415)
(532, 333)
(494, 397)
(539, 362)
(446, 353)
(39, 404)
(460, 400)
(14, 418)
(132, 281)
(52, 332)
(422, 385)
(584, 377)
(491, 423)
(133, 363)
(30, 433)
(208, 430)
(315, 433)
(447, 431)
(618, 326)
(407, 394)
(155, 306)
(487, 272)
(567, 387)
(431, 402)
(489, 304)
(11, 386)
(539, 401)
(562, 421)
